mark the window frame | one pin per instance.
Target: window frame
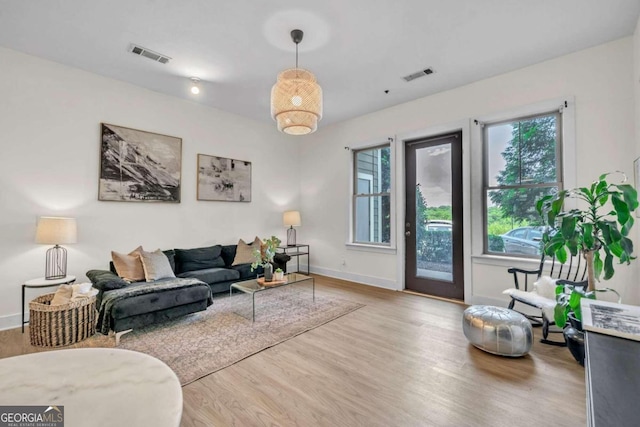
(560, 182)
(352, 243)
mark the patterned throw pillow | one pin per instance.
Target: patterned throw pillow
(244, 252)
(129, 266)
(156, 265)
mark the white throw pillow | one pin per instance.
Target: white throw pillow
(545, 287)
(82, 290)
(156, 265)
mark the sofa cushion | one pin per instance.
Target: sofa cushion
(171, 256)
(245, 271)
(156, 265)
(212, 275)
(198, 258)
(161, 300)
(228, 254)
(129, 266)
(244, 251)
(104, 280)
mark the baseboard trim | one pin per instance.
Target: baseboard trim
(455, 301)
(475, 299)
(357, 278)
(10, 321)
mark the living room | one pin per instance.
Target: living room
(53, 106)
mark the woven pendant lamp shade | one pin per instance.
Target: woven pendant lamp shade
(296, 102)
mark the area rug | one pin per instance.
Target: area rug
(200, 344)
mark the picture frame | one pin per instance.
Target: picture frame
(636, 179)
(223, 179)
(139, 166)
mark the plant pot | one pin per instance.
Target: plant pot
(574, 336)
(268, 272)
(278, 275)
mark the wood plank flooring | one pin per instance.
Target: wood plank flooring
(401, 360)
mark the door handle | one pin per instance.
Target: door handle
(407, 233)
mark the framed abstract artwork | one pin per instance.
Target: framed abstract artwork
(222, 179)
(139, 166)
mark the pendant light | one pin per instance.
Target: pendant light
(296, 98)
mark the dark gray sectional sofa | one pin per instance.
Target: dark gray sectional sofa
(200, 272)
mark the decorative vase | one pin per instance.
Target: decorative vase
(268, 272)
(574, 336)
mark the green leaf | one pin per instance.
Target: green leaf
(622, 210)
(630, 195)
(568, 227)
(561, 254)
(608, 266)
(627, 226)
(597, 265)
(560, 316)
(541, 204)
(587, 236)
(574, 300)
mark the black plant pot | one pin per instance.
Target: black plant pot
(574, 337)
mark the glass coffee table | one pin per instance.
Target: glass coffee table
(255, 286)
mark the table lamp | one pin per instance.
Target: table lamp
(56, 231)
(291, 219)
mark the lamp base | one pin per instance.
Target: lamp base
(56, 265)
(291, 236)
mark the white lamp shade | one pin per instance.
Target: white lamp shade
(56, 231)
(291, 218)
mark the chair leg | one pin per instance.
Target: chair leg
(545, 334)
(511, 304)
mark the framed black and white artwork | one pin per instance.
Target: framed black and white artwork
(222, 179)
(139, 166)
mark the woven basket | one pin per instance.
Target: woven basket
(58, 325)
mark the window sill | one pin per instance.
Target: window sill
(506, 261)
(370, 248)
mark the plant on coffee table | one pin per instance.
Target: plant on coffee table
(264, 256)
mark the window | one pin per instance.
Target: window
(372, 196)
(522, 164)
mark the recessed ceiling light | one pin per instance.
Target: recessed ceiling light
(195, 85)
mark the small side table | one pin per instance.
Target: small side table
(297, 251)
(41, 282)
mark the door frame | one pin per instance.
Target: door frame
(463, 126)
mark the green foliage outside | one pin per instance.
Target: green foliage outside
(530, 158)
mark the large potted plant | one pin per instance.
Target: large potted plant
(599, 227)
(593, 230)
(264, 256)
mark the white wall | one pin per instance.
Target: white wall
(599, 79)
(50, 119)
(636, 91)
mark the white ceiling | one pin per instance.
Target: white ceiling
(357, 48)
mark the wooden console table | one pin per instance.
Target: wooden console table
(612, 373)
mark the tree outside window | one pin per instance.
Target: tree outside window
(522, 164)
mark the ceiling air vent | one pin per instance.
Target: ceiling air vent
(143, 51)
(420, 73)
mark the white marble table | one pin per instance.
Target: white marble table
(96, 386)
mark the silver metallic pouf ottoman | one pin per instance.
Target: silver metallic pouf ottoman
(497, 330)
